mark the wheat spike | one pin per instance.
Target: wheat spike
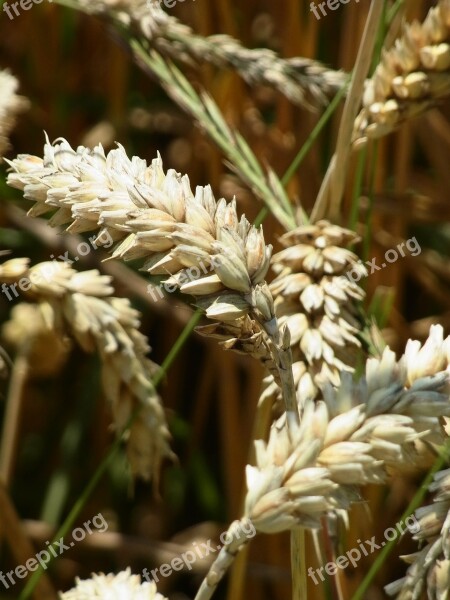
(123, 586)
(348, 438)
(431, 565)
(155, 215)
(410, 78)
(319, 304)
(81, 305)
(304, 81)
(10, 105)
(344, 441)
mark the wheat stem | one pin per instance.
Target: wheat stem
(330, 195)
(11, 422)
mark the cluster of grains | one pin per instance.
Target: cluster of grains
(411, 76)
(123, 586)
(304, 81)
(431, 565)
(199, 242)
(349, 438)
(10, 105)
(319, 303)
(81, 305)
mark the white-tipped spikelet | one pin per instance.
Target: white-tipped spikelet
(154, 215)
(199, 243)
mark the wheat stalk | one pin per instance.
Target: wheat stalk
(10, 105)
(82, 305)
(124, 585)
(344, 441)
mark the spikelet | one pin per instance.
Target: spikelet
(123, 586)
(431, 565)
(304, 81)
(200, 242)
(410, 78)
(349, 438)
(316, 296)
(81, 305)
(10, 105)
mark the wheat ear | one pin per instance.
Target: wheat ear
(317, 297)
(303, 81)
(345, 441)
(411, 77)
(155, 215)
(82, 305)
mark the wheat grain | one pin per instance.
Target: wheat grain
(350, 436)
(155, 215)
(81, 305)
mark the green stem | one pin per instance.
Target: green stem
(263, 213)
(314, 135)
(102, 468)
(413, 505)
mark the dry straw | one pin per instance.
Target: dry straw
(81, 305)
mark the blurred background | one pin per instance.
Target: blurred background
(82, 85)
